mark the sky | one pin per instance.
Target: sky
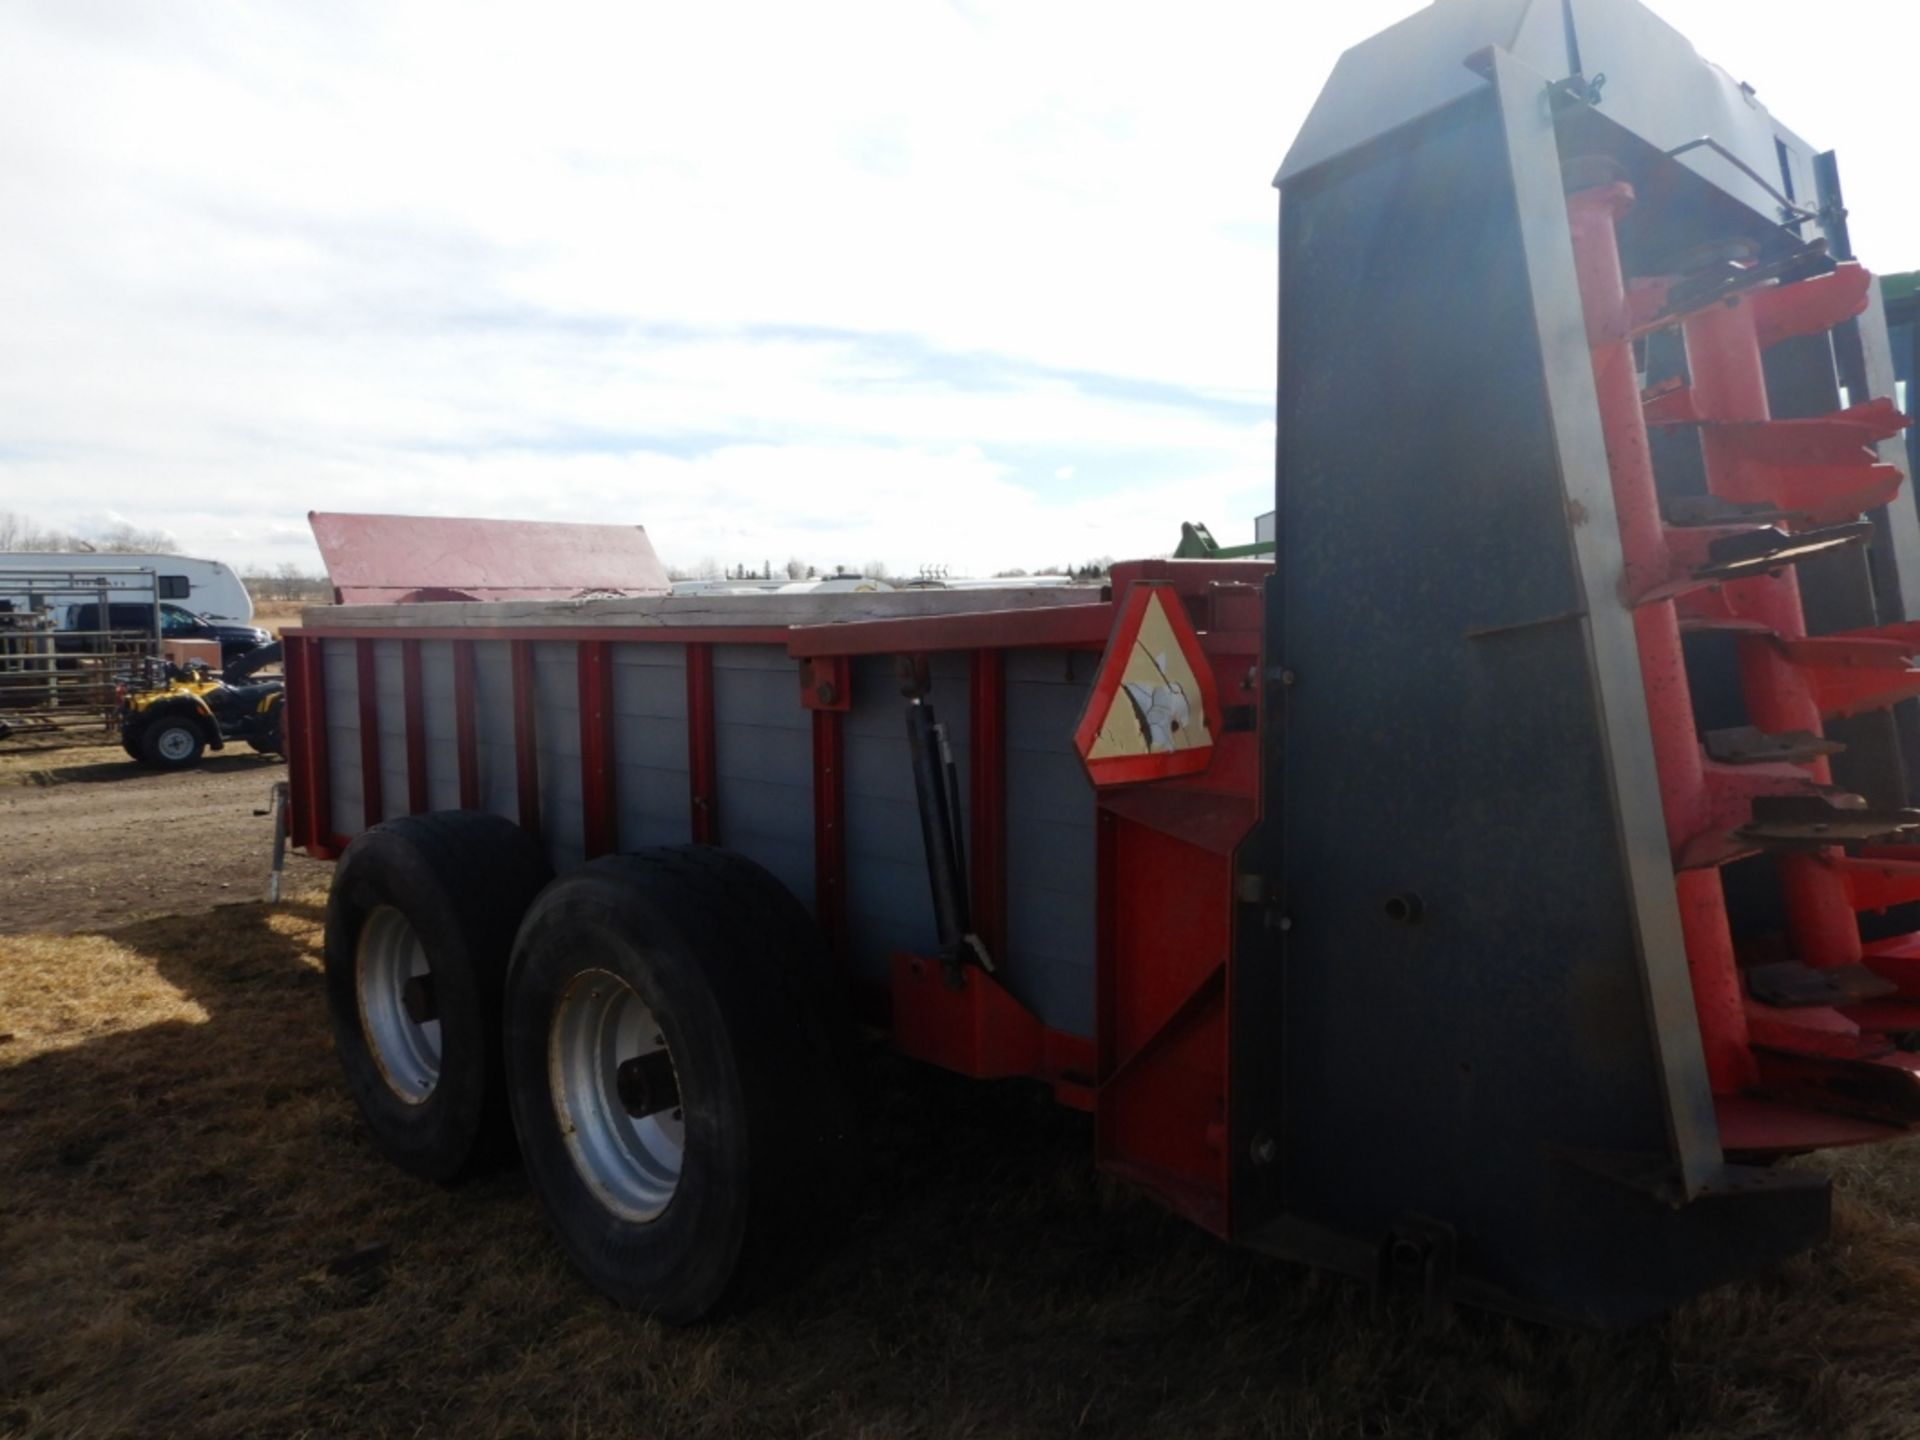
(961, 283)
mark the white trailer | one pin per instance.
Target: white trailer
(206, 587)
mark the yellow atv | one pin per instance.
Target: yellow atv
(172, 727)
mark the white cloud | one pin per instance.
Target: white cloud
(979, 285)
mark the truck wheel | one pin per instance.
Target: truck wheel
(674, 1084)
(420, 923)
(172, 743)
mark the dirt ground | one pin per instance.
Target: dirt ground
(89, 838)
(197, 1238)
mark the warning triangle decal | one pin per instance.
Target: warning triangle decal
(1153, 712)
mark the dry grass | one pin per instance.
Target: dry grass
(197, 1238)
(276, 615)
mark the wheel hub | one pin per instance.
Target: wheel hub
(616, 1095)
(399, 1011)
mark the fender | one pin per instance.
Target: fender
(180, 703)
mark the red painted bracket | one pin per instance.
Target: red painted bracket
(981, 1031)
(826, 683)
(1850, 674)
(1810, 307)
(1727, 804)
(1879, 884)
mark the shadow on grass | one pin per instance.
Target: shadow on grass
(200, 1239)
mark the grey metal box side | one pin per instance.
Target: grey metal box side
(440, 724)
(763, 763)
(1051, 882)
(889, 901)
(556, 728)
(651, 799)
(498, 783)
(390, 690)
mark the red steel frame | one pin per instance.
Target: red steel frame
(1730, 385)
(1154, 1073)
(412, 704)
(829, 828)
(1770, 1069)
(598, 777)
(702, 769)
(1677, 756)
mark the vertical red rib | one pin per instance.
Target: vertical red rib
(310, 824)
(701, 773)
(597, 798)
(829, 828)
(413, 707)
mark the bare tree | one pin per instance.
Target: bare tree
(122, 538)
(874, 569)
(798, 569)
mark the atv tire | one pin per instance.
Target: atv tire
(420, 923)
(173, 742)
(674, 1079)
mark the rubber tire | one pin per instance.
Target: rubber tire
(129, 744)
(463, 880)
(726, 960)
(150, 755)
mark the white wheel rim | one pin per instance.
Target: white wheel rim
(176, 743)
(631, 1161)
(406, 1049)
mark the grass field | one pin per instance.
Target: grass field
(196, 1238)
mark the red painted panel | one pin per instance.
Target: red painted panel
(987, 782)
(413, 703)
(829, 829)
(526, 742)
(384, 558)
(371, 799)
(465, 737)
(702, 778)
(1162, 1108)
(978, 1029)
(309, 824)
(597, 774)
